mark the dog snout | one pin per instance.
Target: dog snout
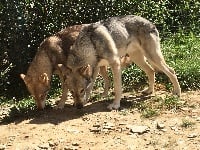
(79, 105)
(40, 105)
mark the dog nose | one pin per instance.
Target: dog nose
(79, 106)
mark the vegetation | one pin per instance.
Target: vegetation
(187, 123)
(24, 24)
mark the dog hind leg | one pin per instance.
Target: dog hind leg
(155, 57)
(139, 59)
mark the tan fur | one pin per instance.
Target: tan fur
(51, 52)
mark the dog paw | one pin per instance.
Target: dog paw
(59, 106)
(114, 106)
(177, 92)
(147, 91)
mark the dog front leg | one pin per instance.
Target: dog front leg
(104, 73)
(116, 69)
(61, 102)
(64, 87)
(89, 89)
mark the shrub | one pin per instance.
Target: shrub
(24, 24)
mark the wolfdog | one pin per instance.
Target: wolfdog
(103, 43)
(51, 52)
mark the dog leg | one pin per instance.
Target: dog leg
(171, 74)
(155, 57)
(116, 69)
(61, 102)
(138, 58)
(89, 89)
(104, 73)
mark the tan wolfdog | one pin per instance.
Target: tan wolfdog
(51, 52)
(103, 43)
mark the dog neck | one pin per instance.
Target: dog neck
(41, 64)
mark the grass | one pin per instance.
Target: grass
(181, 52)
(187, 123)
(153, 106)
(23, 108)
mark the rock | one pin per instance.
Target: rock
(197, 119)
(2, 147)
(70, 148)
(185, 109)
(73, 131)
(174, 128)
(139, 129)
(51, 143)
(160, 126)
(95, 129)
(122, 123)
(96, 125)
(44, 146)
(192, 135)
(75, 144)
(164, 130)
(108, 126)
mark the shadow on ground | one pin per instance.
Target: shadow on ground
(69, 112)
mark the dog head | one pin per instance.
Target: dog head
(78, 81)
(38, 86)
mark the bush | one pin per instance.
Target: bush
(24, 24)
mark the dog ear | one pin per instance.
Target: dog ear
(43, 78)
(86, 71)
(26, 78)
(64, 70)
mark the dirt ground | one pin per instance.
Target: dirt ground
(96, 128)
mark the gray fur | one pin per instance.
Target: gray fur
(115, 37)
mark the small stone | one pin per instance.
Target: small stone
(75, 144)
(96, 125)
(95, 129)
(69, 148)
(139, 129)
(160, 126)
(185, 109)
(174, 128)
(108, 126)
(198, 119)
(192, 135)
(122, 123)
(131, 96)
(164, 130)
(44, 146)
(2, 147)
(51, 143)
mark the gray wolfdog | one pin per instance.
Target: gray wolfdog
(103, 43)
